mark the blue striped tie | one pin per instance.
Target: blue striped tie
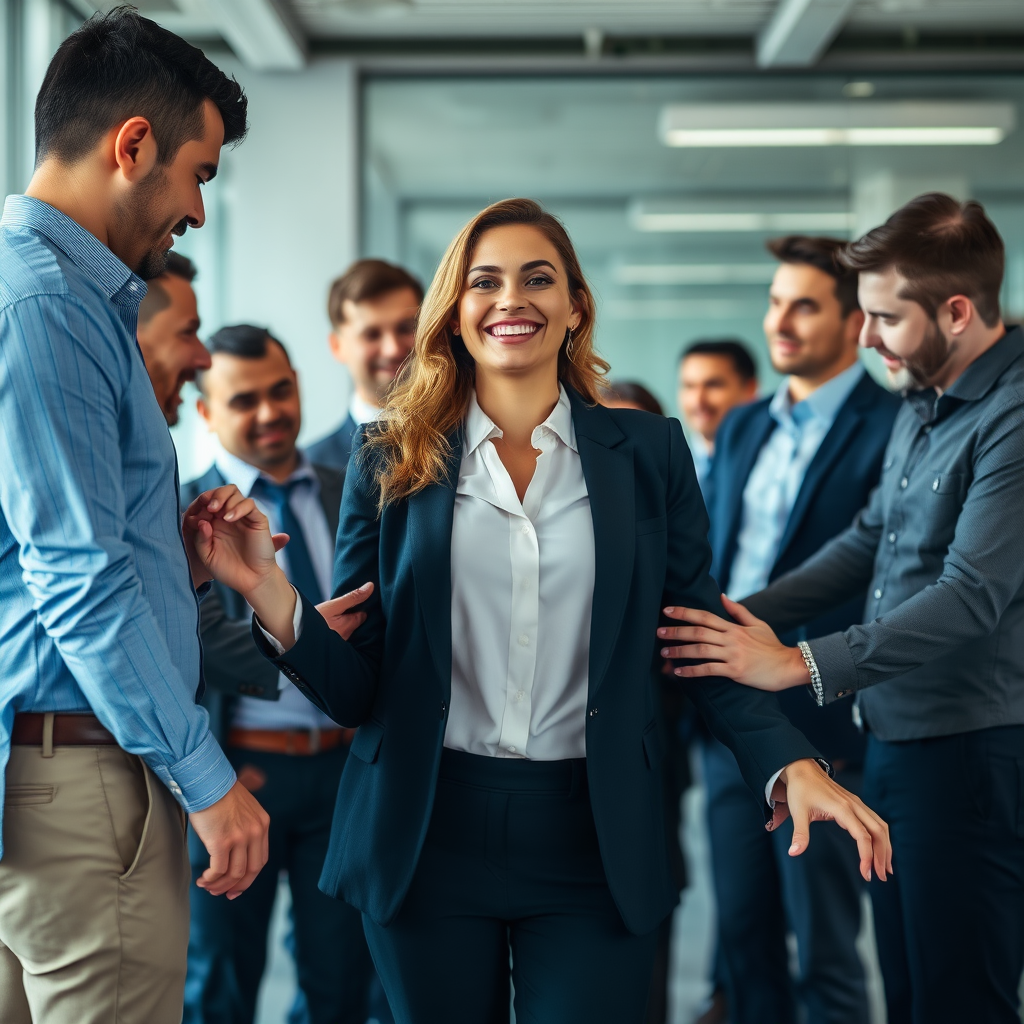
(300, 565)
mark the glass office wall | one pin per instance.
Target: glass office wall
(673, 236)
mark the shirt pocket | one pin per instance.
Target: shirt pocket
(947, 483)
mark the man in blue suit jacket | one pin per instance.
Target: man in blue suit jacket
(373, 308)
(790, 472)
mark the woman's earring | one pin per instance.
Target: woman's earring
(568, 345)
(456, 330)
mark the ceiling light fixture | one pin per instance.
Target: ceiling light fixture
(738, 215)
(917, 123)
(694, 273)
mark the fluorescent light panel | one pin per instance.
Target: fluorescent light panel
(644, 217)
(731, 125)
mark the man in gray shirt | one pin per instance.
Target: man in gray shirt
(938, 667)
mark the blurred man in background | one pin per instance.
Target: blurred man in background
(715, 375)
(790, 472)
(285, 751)
(373, 308)
(168, 334)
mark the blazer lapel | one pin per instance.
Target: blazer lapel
(736, 481)
(846, 423)
(430, 530)
(608, 470)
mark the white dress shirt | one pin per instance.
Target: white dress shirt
(292, 710)
(362, 411)
(522, 594)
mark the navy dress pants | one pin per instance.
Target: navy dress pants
(228, 939)
(762, 893)
(511, 868)
(950, 922)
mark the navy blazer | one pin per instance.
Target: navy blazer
(334, 449)
(232, 665)
(393, 679)
(835, 488)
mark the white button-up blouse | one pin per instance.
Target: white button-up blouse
(522, 592)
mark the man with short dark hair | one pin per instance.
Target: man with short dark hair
(790, 472)
(287, 752)
(937, 663)
(373, 308)
(168, 334)
(106, 749)
(715, 375)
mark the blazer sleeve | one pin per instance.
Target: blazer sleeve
(749, 722)
(338, 676)
(232, 662)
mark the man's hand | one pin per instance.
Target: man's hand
(805, 792)
(338, 611)
(234, 832)
(746, 650)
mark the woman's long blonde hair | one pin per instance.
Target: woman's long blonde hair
(410, 449)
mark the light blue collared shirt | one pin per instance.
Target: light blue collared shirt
(778, 474)
(291, 710)
(97, 608)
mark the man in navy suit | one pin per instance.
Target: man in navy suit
(286, 752)
(790, 472)
(373, 308)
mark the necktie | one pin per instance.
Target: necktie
(300, 565)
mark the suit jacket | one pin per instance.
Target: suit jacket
(835, 488)
(393, 679)
(334, 449)
(232, 664)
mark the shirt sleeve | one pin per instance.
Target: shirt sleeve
(983, 571)
(62, 495)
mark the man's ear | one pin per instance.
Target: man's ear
(854, 325)
(337, 346)
(203, 411)
(135, 149)
(958, 312)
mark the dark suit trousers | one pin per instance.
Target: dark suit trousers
(228, 940)
(511, 866)
(950, 922)
(762, 892)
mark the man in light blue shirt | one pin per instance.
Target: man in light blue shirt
(105, 747)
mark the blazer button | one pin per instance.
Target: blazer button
(444, 708)
(592, 712)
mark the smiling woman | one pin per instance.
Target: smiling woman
(503, 794)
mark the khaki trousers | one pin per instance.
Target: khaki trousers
(93, 891)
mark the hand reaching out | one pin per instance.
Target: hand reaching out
(338, 611)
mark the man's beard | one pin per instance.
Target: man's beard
(921, 369)
(135, 216)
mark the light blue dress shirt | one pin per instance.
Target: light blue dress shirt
(97, 608)
(778, 474)
(292, 710)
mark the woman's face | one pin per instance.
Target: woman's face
(515, 304)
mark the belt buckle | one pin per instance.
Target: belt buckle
(314, 740)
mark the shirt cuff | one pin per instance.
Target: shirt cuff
(771, 785)
(200, 779)
(296, 628)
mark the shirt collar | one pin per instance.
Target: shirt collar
(362, 411)
(822, 404)
(239, 472)
(82, 247)
(480, 427)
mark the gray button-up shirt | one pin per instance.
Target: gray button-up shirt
(941, 548)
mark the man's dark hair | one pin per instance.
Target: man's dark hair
(243, 341)
(727, 348)
(942, 247)
(822, 253)
(157, 298)
(365, 280)
(120, 65)
(632, 391)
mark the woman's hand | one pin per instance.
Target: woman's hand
(338, 611)
(746, 650)
(805, 792)
(227, 538)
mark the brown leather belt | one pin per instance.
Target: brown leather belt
(69, 730)
(301, 742)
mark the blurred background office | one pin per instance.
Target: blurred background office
(674, 137)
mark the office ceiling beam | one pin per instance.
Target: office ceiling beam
(263, 33)
(800, 31)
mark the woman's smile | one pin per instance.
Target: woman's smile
(512, 331)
